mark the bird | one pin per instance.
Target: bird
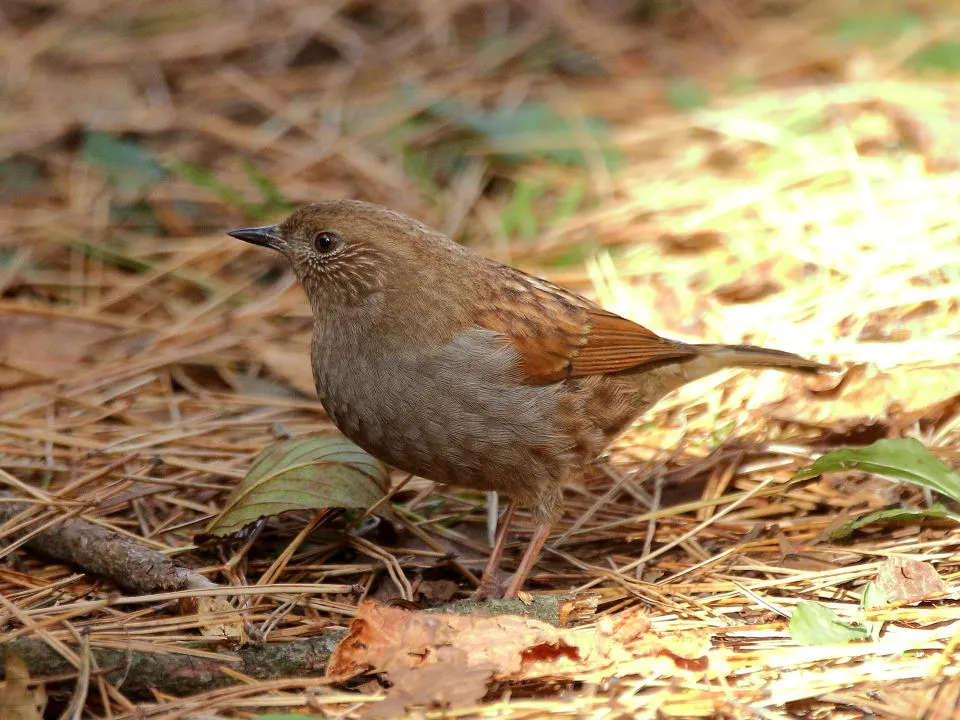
(456, 368)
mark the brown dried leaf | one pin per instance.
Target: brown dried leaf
(747, 290)
(19, 701)
(696, 241)
(290, 364)
(105, 100)
(38, 346)
(902, 580)
(945, 702)
(231, 630)
(867, 394)
(505, 648)
(451, 682)
(438, 591)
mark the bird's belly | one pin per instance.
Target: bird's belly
(482, 438)
(458, 418)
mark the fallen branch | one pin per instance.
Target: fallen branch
(556, 610)
(127, 563)
(136, 674)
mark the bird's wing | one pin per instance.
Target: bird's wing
(560, 335)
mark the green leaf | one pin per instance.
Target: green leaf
(905, 515)
(816, 624)
(416, 166)
(203, 178)
(741, 84)
(873, 597)
(519, 217)
(139, 216)
(903, 459)
(309, 473)
(273, 200)
(877, 27)
(568, 203)
(686, 94)
(130, 169)
(939, 57)
(531, 129)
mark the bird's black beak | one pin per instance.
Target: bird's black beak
(266, 236)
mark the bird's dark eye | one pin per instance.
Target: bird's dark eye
(326, 241)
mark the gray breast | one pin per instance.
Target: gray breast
(455, 414)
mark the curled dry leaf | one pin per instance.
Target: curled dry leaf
(19, 701)
(902, 580)
(219, 619)
(430, 654)
(307, 473)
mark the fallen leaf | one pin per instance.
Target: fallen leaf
(762, 280)
(873, 597)
(37, 346)
(900, 459)
(438, 591)
(816, 624)
(866, 394)
(387, 639)
(259, 385)
(431, 686)
(309, 473)
(19, 701)
(902, 580)
(129, 168)
(696, 241)
(448, 659)
(903, 515)
(930, 698)
(747, 290)
(227, 626)
(290, 364)
(107, 99)
(945, 701)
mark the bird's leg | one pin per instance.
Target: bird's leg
(528, 560)
(489, 588)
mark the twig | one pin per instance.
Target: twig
(127, 563)
(139, 673)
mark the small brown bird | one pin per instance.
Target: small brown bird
(451, 366)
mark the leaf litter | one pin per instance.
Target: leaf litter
(449, 660)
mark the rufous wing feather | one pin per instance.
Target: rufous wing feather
(614, 344)
(561, 335)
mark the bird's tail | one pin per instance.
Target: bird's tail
(727, 356)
